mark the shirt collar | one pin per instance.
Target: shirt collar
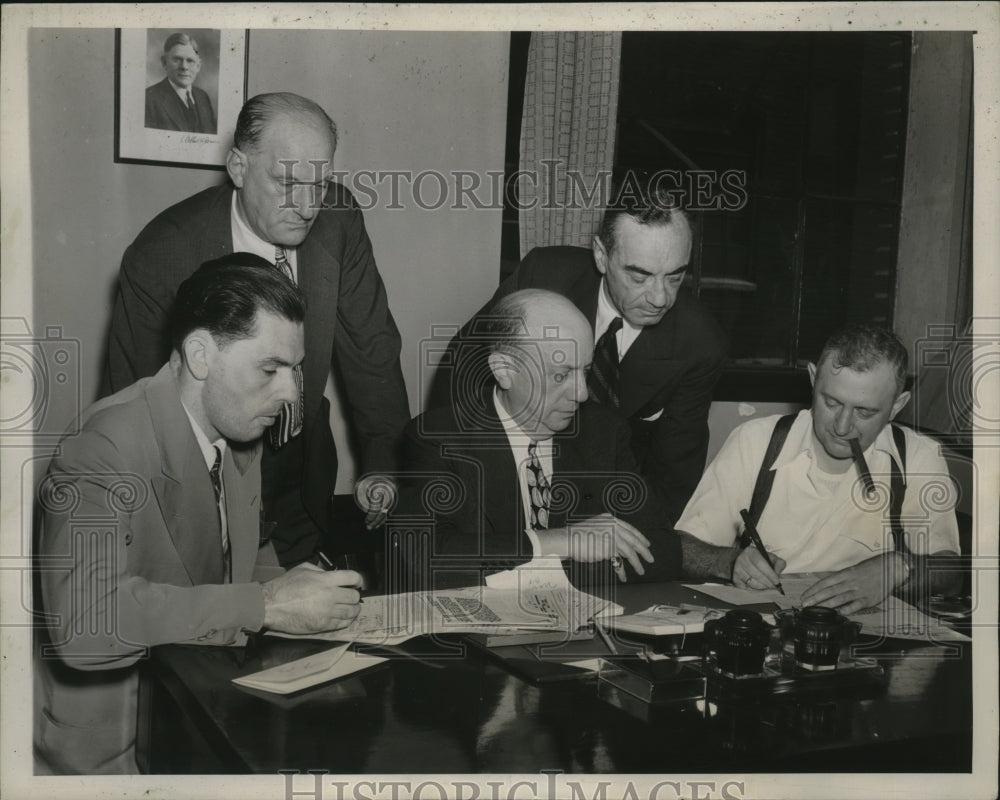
(207, 448)
(801, 441)
(246, 241)
(182, 93)
(515, 434)
(606, 312)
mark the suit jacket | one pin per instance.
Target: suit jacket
(461, 476)
(666, 377)
(347, 316)
(130, 557)
(165, 110)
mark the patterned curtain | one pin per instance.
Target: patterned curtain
(567, 136)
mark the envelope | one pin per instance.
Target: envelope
(309, 671)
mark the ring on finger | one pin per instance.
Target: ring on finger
(617, 563)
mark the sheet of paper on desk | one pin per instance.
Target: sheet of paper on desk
(392, 619)
(310, 671)
(892, 617)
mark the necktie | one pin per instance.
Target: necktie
(539, 492)
(289, 421)
(189, 99)
(216, 474)
(602, 382)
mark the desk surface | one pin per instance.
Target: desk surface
(449, 708)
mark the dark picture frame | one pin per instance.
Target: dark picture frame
(144, 135)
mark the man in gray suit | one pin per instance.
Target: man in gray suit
(151, 518)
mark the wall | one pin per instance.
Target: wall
(423, 101)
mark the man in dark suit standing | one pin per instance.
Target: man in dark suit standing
(658, 353)
(283, 205)
(526, 469)
(175, 103)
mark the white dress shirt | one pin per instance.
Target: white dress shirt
(519, 442)
(208, 453)
(816, 521)
(246, 241)
(606, 312)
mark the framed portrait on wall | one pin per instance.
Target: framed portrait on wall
(178, 92)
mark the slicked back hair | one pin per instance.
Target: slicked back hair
(643, 201)
(175, 39)
(224, 297)
(260, 110)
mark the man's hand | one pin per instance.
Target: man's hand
(376, 495)
(599, 538)
(750, 570)
(308, 600)
(862, 586)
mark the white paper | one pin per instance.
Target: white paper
(391, 619)
(309, 671)
(892, 617)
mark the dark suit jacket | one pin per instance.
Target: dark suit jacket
(667, 375)
(347, 317)
(462, 479)
(130, 557)
(165, 111)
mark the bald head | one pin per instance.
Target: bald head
(540, 354)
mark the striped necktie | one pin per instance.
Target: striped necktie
(602, 382)
(216, 475)
(289, 421)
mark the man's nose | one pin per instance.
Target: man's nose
(657, 295)
(308, 202)
(289, 392)
(843, 421)
(582, 392)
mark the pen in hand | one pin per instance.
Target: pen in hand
(329, 566)
(755, 538)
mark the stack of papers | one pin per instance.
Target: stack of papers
(530, 600)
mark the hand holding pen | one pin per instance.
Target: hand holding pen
(755, 568)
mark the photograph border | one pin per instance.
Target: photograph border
(210, 150)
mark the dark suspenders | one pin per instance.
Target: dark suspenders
(765, 480)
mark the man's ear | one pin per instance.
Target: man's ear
(198, 349)
(811, 369)
(503, 369)
(899, 404)
(236, 166)
(600, 255)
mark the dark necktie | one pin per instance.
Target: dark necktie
(539, 492)
(602, 382)
(216, 474)
(190, 111)
(289, 421)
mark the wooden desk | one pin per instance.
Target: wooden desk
(452, 709)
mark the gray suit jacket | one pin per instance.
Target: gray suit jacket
(130, 557)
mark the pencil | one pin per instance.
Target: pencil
(755, 538)
(605, 638)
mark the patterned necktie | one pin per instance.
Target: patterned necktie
(216, 474)
(539, 492)
(602, 382)
(289, 422)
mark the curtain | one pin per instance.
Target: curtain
(567, 136)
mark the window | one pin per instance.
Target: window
(816, 125)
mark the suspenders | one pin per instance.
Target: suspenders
(765, 480)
